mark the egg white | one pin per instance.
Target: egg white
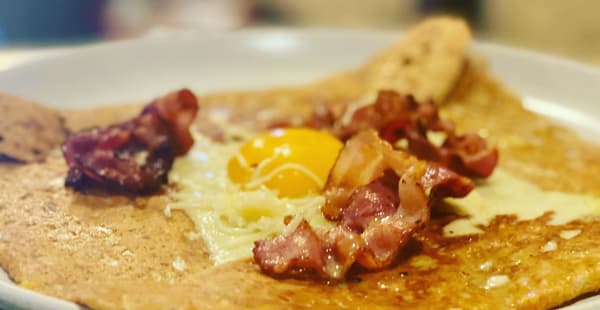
(228, 218)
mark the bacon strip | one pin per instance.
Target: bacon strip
(374, 200)
(363, 159)
(378, 196)
(302, 249)
(398, 117)
(134, 156)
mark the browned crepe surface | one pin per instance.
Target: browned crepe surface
(530, 146)
(114, 252)
(28, 131)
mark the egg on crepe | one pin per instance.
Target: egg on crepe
(239, 192)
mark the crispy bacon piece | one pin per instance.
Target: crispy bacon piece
(301, 249)
(177, 110)
(363, 159)
(134, 156)
(374, 200)
(366, 157)
(468, 154)
(378, 196)
(322, 116)
(398, 117)
(444, 183)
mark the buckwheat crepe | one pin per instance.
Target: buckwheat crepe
(111, 252)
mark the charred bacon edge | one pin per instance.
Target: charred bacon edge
(134, 156)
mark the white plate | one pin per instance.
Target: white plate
(141, 69)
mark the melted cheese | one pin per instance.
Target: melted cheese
(549, 246)
(229, 219)
(496, 281)
(504, 194)
(570, 234)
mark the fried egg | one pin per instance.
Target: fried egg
(294, 162)
(239, 192)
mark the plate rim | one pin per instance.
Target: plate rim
(58, 52)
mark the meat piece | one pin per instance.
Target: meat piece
(397, 117)
(468, 154)
(442, 182)
(386, 236)
(177, 111)
(322, 116)
(389, 106)
(366, 158)
(342, 249)
(301, 249)
(375, 200)
(378, 195)
(135, 156)
(383, 240)
(363, 159)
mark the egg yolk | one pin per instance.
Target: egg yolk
(294, 161)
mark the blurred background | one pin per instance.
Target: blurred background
(565, 28)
